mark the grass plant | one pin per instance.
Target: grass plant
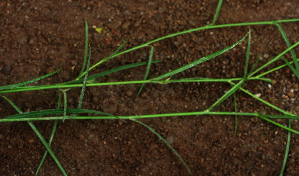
(84, 80)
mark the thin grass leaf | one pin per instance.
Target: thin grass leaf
(106, 59)
(227, 94)
(292, 68)
(112, 71)
(289, 45)
(287, 149)
(55, 112)
(84, 82)
(247, 54)
(279, 125)
(160, 137)
(236, 116)
(48, 148)
(13, 105)
(254, 65)
(65, 104)
(217, 12)
(40, 137)
(199, 61)
(52, 135)
(11, 86)
(275, 58)
(285, 116)
(274, 69)
(148, 68)
(86, 49)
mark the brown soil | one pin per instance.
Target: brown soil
(38, 37)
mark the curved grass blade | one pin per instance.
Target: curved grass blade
(55, 112)
(236, 116)
(173, 150)
(28, 82)
(48, 147)
(199, 61)
(247, 54)
(113, 71)
(227, 94)
(105, 59)
(274, 69)
(292, 68)
(86, 48)
(279, 125)
(40, 137)
(84, 82)
(217, 12)
(65, 103)
(147, 69)
(289, 45)
(52, 136)
(275, 58)
(287, 149)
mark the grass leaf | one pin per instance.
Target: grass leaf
(287, 149)
(40, 137)
(160, 137)
(86, 49)
(55, 112)
(84, 82)
(199, 61)
(247, 54)
(11, 86)
(106, 59)
(217, 12)
(289, 45)
(52, 135)
(113, 71)
(148, 68)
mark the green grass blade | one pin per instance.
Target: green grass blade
(281, 116)
(65, 104)
(254, 65)
(52, 135)
(148, 68)
(27, 82)
(201, 60)
(48, 147)
(217, 12)
(40, 137)
(289, 45)
(84, 82)
(227, 94)
(287, 149)
(279, 125)
(292, 68)
(86, 49)
(247, 54)
(274, 69)
(105, 59)
(55, 112)
(236, 116)
(275, 59)
(113, 71)
(160, 137)
(13, 105)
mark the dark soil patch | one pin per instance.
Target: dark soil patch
(38, 37)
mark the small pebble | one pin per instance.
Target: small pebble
(129, 93)
(266, 56)
(6, 69)
(81, 137)
(170, 139)
(258, 95)
(92, 126)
